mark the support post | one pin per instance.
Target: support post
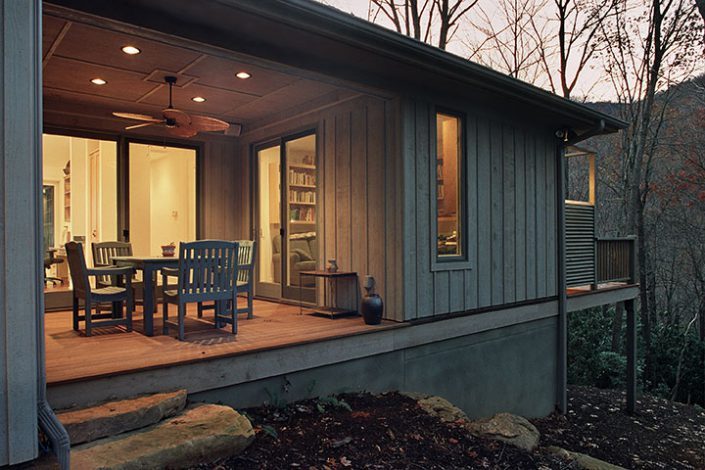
(562, 352)
(631, 356)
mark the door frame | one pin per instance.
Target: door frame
(283, 292)
(123, 184)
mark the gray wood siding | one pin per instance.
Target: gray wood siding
(225, 202)
(510, 215)
(20, 241)
(359, 217)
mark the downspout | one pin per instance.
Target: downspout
(562, 362)
(48, 422)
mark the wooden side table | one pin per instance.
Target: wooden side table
(329, 308)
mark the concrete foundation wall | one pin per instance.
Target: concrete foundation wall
(506, 369)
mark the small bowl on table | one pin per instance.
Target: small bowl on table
(168, 251)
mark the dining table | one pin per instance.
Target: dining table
(149, 265)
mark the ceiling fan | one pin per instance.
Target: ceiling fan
(177, 122)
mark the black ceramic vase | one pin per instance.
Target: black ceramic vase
(372, 309)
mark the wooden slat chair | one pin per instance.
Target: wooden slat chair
(206, 273)
(103, 253)
(82, 288)
(247, 254)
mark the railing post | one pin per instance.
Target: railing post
(632, 260)
(595, 247)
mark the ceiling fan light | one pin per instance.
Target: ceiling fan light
(198, 99)
(243, 75)
(98, 81)
(130, 50)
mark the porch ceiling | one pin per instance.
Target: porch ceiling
(75, 52)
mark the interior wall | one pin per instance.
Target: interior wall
(108, 197)
(162, 197)
(83, 187)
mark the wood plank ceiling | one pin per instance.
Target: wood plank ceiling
(74, 53)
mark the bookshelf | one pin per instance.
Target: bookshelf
(301, 193)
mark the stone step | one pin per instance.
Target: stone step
(201, 434)
(116, 417)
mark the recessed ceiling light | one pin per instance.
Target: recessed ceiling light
(98, 81)
(243, 75)
(131, 50)
(198, 99)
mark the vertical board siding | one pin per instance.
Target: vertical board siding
(520, 211)
(225, 205)
(510, 221)
(511, 234)
(541, 237)
(359, 219)
(484, 217)
(424, 279)
(20, 176)
(470, 276)
(410, 230)
(530, 198)
(496, 220)
(394, 287)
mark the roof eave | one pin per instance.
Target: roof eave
(347, 28)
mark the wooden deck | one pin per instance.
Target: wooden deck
(71, 356)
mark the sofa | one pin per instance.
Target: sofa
(303, 256)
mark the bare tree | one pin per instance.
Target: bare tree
(647, 48)
(569, 40)
(504, 40)
(431, 21)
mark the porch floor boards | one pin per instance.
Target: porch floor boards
(583, 290)
(71, 356)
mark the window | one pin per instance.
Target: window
(449, 187)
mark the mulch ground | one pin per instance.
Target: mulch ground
(661, 435)
(377, 432)
(391, 431)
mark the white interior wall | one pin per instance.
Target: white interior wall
(162, 197)
(268, 170)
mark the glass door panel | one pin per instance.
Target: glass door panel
(270, 256)
(301, 212)
(162, 195)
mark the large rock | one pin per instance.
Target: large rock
(439, 407)
(583, 461)
(201, 434)
(509, 428)
(116, 417)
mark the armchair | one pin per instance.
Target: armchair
(82, 289)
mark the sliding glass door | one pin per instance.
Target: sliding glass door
(286, 220)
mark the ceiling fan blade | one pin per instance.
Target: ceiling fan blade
(181, 118)
(144, 124)
(182, 131)
(208, 124)
(137, 117)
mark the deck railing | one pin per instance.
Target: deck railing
(615, 259)
(590, 260)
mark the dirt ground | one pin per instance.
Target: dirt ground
(662, 434)
(391, 431)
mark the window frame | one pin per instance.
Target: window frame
(449, 262)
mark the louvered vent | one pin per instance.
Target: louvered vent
(580, 244)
